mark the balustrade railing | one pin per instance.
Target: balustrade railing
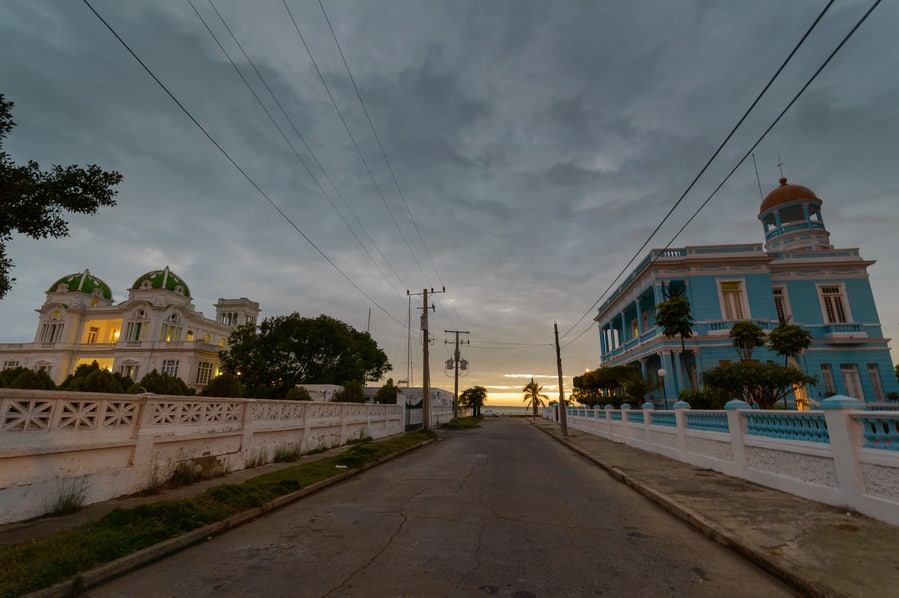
(809, 427)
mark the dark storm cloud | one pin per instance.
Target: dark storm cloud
(536, 146)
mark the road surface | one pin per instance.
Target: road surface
(502, 510)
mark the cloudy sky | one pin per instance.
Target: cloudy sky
(531, 148)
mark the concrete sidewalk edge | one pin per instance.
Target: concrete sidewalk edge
(145, 556)
(708, 528)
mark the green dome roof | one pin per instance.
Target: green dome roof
(162, 279)
(83, 282)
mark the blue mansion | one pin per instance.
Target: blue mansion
(797, 276)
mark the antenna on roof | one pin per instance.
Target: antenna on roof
(780, 165)
(758, 180)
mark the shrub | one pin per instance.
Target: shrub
(298, 393)
(707, 398)
(224, 385)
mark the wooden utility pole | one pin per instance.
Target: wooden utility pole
(456, 359)
(563, 414)
(425, 367)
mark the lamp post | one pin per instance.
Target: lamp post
(662, 373)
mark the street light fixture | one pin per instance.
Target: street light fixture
(662, 373)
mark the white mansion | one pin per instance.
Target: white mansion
(156, 327)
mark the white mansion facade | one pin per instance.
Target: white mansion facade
(156, 327)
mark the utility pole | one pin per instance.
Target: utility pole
(425, 367)
(456, 358)
(563, 414)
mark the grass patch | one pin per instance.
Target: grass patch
(287, 453)
(28, 567)
(462, 423)
(70, 496)
(184, 474)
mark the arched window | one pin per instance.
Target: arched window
(171, 329)
(135, 326)
(51, 329)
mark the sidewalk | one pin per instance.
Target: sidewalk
(816, 548)
(43, 527)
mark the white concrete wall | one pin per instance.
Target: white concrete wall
(841, 472)
(108, 445)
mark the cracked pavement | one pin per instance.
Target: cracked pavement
(496, 511)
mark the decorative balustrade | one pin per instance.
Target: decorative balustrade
(664, 418)
(710, 422)
(789, 426)
(842, 455)
(123, 442)
(880, 432)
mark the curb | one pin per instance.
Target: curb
(145, 556)
(707, 527)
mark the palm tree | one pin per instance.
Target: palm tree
(674, 316)
(533, 397)
(474, 397)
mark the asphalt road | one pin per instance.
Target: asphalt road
(498, 511)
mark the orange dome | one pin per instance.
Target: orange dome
(786, 194)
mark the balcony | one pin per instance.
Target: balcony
(845, 333)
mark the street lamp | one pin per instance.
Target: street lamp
(662, 373)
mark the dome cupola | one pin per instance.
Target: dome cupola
(82, 282)
(163, 279)
(791, 217)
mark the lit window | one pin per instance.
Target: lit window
(129, 370)
(204, 372)
(171, 329)
(170, 367)
(733, 300)
(92, 335)
(833, 303)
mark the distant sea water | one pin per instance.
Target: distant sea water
(509, 409)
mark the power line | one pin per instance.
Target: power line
(701, 172)
(751, 149)
(235, 164)
(353, 139)
(384, 152)
(299, 135)
(378, 139)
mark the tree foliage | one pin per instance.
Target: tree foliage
(761, 384)
(223, 385)
(286, 351)
(387, 394)
(473, 398)
(612, 385)
(675, 318)
(789, 340)
(746, 336)
(351, 393)
(298, 393)
(533, 397)
(161, 384)
(33, 201)
(91, 378)
(21, 377)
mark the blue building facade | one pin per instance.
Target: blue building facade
(796, 276)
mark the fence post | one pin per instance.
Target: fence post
(680, 418)
(736, 425)
(844, 441)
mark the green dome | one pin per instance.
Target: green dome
(83, 282)
(162, 279)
